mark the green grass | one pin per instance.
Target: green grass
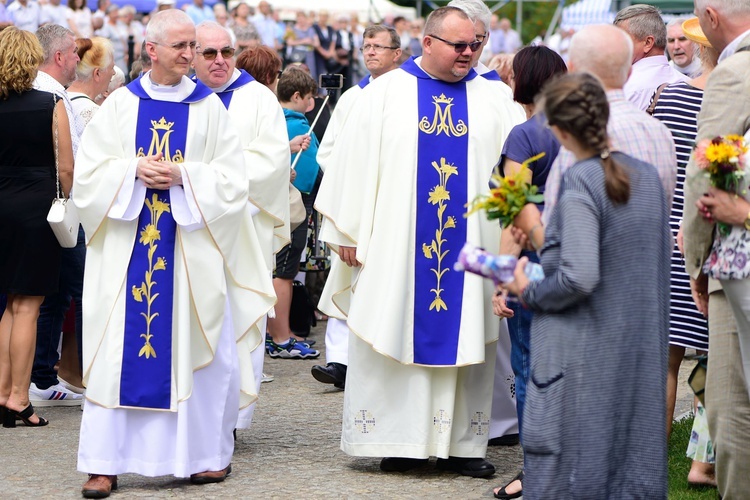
(679, 465)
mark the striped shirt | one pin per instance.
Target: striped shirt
(677, 108)
(632, 132)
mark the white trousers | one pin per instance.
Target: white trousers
(337, 341)
(257, 357)
(196, 438)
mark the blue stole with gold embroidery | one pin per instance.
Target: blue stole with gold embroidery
(442, 192)
(146, 375)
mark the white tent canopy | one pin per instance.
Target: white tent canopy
(586, 12)
(373, 10)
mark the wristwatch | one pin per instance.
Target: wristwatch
(747, 222)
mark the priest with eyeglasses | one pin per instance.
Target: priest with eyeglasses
(175, 276)
(418, 144)
(259, 120)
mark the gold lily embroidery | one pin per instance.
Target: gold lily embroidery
(439, 196)
(149, 236)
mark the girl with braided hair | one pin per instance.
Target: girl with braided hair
(595, 402)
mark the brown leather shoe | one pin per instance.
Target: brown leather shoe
(99, 486)
(212, 476)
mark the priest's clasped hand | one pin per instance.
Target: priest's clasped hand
(349, 256)
(157, 174)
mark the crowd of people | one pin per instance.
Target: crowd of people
(199, 186)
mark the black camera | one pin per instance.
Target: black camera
(331, 81)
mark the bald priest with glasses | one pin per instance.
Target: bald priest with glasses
(175, 278)
(418, 144)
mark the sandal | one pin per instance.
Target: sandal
(507, 496)
(9, 419)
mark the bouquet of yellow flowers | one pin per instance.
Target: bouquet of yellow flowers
(508, 197)
(723, 161)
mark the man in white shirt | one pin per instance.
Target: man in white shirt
(199, 12)
(650, 66)
(25, 14)
(266, 26)
(682, 52)
(511, 38)
(54, 12)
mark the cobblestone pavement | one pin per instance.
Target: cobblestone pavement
(291, 451)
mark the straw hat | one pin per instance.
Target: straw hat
(692, 30)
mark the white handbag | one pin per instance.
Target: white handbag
(62, 216)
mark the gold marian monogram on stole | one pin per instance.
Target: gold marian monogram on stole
(442, 122)
(161, 131)
(439, 195)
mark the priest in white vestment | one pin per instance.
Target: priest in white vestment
(381, 49)
(175, 275)
(259, 120)
(418, 144)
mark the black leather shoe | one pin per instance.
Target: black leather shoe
(473, 467)
(401, 464)
(332, 373)
(507, 440)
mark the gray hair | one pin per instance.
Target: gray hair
(53, 38)
(726, 7)
(644, 21)
(127, 9)
(373, 30)
(677, 21)
(156, 30)
(435, 20)
(117, 81)
(604, 51)
(477, 11)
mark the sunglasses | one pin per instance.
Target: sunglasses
(460, 47)
(210, 54)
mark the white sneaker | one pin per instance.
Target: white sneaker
(57, 395)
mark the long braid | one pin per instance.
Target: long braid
(577, 104)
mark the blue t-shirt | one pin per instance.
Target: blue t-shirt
(529, 139)
(307, 166)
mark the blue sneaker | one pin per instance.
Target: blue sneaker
(308, 343)
(291, 349)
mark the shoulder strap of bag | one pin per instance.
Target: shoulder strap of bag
(652, 106)
(58, 192)
(81, 97)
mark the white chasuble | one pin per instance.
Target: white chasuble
(374, 198)
(221, 285)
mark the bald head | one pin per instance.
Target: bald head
(604, 51)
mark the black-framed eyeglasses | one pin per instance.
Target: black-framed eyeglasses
(278, 74)
(210, 54)
(481, 36)
(379, 49)
(179, 46)
(460, 47)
